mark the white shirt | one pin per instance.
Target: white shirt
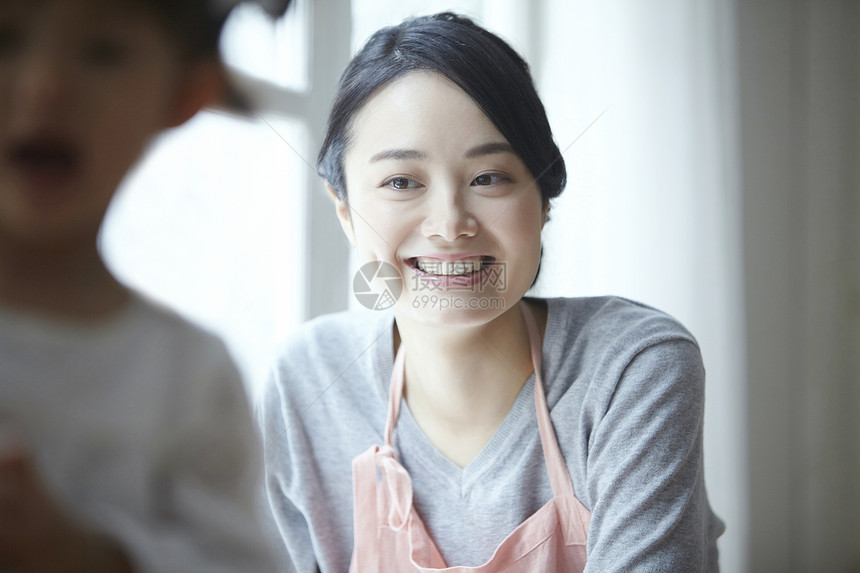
(140, 427)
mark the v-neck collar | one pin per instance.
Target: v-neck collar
(414, 447)
(417, 447)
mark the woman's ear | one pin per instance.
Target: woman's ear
(202, 84)
(341, 207)
(545, 214)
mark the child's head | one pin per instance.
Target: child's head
(84, 85)
(486, 68)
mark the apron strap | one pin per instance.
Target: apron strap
(365, 553)
(395, 393)
(559, 478)
(391, 503)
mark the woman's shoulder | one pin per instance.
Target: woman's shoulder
(334, 341)
(334, 362)
(604, 350)
(599, 338)
(344, 329)
(612, 320)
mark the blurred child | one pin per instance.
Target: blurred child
(126, 442)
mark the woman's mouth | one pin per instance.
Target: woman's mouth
(470, 272)
(449, 268)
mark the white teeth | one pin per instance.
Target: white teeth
(449, 268)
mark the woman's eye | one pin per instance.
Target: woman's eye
(485, 179)
(401, 183)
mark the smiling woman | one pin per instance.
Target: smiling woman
(520, 434)
(450, 174)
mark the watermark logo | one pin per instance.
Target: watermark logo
(377, 285)
(492, 276)
(442, 303)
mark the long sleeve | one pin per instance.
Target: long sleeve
(645, 466)
(286, 521)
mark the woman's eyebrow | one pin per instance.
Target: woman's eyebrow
(398, 154)
(489, 149)
(414, 154)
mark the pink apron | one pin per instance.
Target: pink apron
(390, 536)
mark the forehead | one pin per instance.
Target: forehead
(421, 109)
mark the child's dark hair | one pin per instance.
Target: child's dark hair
(486, 68)
(197, 24)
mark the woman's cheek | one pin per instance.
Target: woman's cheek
(373, 240)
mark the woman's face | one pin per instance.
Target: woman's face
(436, 191)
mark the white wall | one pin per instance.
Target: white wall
(799, 85)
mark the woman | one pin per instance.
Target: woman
(442, 165)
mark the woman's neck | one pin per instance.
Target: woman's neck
(461, 382)
(66, 280)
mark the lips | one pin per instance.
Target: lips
(43, 166)
(44, 156)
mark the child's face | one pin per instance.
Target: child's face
(83, 86)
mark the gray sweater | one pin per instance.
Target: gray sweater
(625, 388)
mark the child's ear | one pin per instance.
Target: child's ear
(341, 207)
(203, 84)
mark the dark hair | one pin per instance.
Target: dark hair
(197, 24)
(486, 68)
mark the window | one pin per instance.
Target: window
(212, 221)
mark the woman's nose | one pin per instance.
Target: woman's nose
(448, 215)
